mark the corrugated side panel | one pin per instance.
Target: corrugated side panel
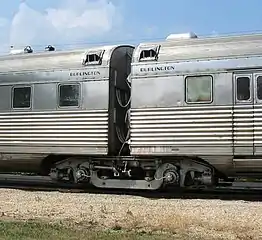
(243, 129)
(62, 131)
(258, 129)
(183, 130)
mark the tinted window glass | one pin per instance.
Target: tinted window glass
(243, 88)
(69, 95)
(259, 87)
(199, 89)
(21, 97)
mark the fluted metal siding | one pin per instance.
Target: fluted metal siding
(258, 129)
(243, 120)
(183, 127)
(85, 129)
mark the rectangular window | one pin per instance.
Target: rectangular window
(22, 97)
(69, 95)
(199, 89)
(243, 88)
(259, 88)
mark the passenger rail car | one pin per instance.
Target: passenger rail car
(201, 101)
(183, 112)
(58, 104)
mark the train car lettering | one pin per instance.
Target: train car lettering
(157, 69)
(83, 74)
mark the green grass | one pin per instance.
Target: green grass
(36, 230)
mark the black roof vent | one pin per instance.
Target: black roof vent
(50, 48)
(28, 49)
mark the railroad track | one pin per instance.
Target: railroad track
(239, 191)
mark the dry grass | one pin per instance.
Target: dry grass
(199, 219)
(43, 231)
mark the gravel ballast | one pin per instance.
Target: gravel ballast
(207, 219)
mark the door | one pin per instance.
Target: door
(243, 114)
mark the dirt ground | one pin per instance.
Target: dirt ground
(211, 219)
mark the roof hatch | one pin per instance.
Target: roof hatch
(93, 58)
(149, 54)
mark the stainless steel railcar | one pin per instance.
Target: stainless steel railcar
(199, 99)
(194, 115)
(55, 104)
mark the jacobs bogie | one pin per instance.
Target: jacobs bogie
(135, 173)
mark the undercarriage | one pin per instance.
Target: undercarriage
(132, 173)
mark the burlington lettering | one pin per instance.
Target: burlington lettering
(82, 74)
(157, 69)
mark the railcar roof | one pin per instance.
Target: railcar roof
(206, 40)
(54, 53)
(52, 60)
(202, 48)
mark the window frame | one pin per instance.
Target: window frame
(186, 92)
(250, 88)
(79, 97)
(13, 95)
(256, 87)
